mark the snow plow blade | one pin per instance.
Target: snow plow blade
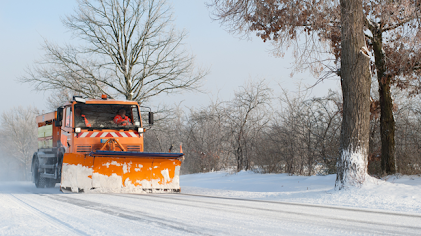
(121, 172)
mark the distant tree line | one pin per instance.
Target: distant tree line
(293, 133)
(256, 130)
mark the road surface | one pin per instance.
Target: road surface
(26, 210)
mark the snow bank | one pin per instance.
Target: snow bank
(394, 193)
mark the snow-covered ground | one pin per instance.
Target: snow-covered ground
(395, 193)
(236, 204)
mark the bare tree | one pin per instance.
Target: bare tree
(247, 116)
(302, 136)
(290, 130)
(19, 135)
(206, 138)
(321, 122)
(408, 138)
(130, 49)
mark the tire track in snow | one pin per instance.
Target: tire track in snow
(128, 214)
(211, 224)
(309, 205)
(172, 199)
(53, 221)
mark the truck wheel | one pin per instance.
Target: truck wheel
(40, 182)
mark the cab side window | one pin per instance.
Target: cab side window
(135, 116)
(68, 117)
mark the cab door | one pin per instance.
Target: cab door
(67, 129)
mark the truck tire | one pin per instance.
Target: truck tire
(40, 182)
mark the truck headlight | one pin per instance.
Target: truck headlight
(78, 130)
(140, 130)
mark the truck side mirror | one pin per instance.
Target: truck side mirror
(59, 117)
(151, 118)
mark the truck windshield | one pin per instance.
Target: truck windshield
(108, 116)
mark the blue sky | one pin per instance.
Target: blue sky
(231, 60)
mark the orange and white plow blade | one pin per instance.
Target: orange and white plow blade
(120, 174)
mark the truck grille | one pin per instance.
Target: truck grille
(133, 148)
(83, 148)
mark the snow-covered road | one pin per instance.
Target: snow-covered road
(25, 210)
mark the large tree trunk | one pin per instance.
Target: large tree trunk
(356, 82)
(387, 121)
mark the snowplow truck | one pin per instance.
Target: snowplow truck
(96, 145)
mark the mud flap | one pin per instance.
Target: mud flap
(121, 172)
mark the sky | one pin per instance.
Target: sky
(230, 59)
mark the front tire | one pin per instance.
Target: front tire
(40, 182)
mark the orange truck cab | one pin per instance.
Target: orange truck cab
(96, 145)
